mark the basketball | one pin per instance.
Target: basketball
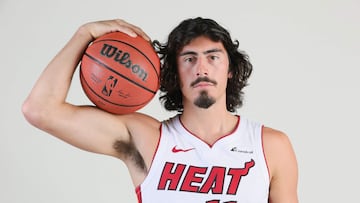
(119, 73)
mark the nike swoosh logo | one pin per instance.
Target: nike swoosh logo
(176, 150)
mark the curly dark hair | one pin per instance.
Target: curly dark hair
(189, 29)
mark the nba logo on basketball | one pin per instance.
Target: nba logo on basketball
(109, 85)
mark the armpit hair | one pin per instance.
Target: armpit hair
(129, 151)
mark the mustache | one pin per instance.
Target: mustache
(203, 79)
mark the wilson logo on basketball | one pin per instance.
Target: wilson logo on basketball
(123, 58)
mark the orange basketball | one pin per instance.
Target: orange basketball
(119, 73)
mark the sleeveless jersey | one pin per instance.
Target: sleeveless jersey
(186, 169)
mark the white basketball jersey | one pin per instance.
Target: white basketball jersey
(186, 169)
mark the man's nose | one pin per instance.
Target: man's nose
(202, 67)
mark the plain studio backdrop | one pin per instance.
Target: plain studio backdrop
(305, 82)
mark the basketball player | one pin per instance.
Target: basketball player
(205, 154)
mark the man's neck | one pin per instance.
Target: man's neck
(208, 124)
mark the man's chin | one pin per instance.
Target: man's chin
(204, 101)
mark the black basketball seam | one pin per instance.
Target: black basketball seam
(153, 66)
(121, 75)
(87, 84)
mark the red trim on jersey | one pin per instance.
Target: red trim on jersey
(236, 127)
(262, 145)
(138, 193)
(157, 146)
(138, 188)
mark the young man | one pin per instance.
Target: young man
(206, 153)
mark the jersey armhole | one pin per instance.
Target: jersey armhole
(138, 187)
(263, 151)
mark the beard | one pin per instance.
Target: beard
(204, 100)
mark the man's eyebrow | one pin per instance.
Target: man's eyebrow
(188, 53)
(205, 52)
(212, 51)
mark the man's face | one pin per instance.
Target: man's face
(203, 67)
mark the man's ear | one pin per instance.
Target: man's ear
(230, 75)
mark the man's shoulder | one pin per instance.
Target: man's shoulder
(140, 118)
(273, 135)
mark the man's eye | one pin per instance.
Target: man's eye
(189, 59)
(214, 57)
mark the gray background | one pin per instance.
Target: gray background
(305, 83)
